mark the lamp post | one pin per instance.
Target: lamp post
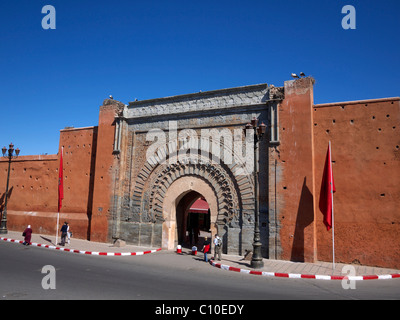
(259, 131)
(10, 155)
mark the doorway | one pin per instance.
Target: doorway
(193, 220)
(178, 201)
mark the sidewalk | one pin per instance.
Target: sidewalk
(272, 268)
(80, 246)
(318, 270)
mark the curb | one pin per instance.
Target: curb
(94, 253)
(304, 276)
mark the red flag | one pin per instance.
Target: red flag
(327, 190)
(60, 183)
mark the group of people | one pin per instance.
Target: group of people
(217, 248)
(65, 235)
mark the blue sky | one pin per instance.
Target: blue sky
(51, 79)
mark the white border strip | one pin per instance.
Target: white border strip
(94, 253)
(304, 276)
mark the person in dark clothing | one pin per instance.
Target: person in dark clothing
(27, 236)
(64, 233)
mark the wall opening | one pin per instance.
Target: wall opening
(180, 216)
(193, 220)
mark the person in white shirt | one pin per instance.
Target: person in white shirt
(217, 247)
(69, 234)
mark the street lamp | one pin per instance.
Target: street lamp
(259, 131)
(10, 154)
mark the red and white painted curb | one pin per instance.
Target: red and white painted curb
(94, 253)
(304, 276)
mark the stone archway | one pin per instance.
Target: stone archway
(155, 143)
(235, 193)
(153, 202)
(176, 191)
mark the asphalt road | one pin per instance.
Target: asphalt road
(159, 276)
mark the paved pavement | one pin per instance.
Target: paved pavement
(318, 270)
(277, 268)
(83, 246)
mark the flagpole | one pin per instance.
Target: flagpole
(59, 197)
(333, 216)
(58, 219)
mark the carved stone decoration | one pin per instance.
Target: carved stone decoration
(276, 93)
(206, 101)
(234, 197)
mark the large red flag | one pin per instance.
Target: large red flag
(60, 183)
(327, 190)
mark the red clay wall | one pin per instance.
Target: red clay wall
(88, 182)
(105, 171)
(366, 166)
(295, 167)
(79, 163)
(32, 192)
(365, 150)
(33, 195)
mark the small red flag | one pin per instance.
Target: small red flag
(60, 183)
(327, 190)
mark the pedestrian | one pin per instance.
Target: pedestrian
(69, 234)
(217, 247)
(27, 236)
(64, 233)
(206, 248)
